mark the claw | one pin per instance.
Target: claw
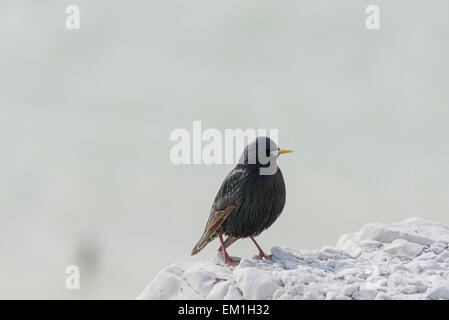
(231, 262)
(262, 255)
(228, 260)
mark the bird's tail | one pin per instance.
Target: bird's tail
(205, 239)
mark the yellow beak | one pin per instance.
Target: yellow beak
(282, 151)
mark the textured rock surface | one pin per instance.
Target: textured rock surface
(406, 260)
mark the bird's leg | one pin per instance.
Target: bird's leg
(227, 259)
(229, 240)
(261, 254)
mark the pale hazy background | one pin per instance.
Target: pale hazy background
(85, 119)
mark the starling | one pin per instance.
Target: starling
(250, 199)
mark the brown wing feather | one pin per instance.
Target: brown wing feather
(224, 203)
(215, 221)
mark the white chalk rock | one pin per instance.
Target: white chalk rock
(440, 291)
(406, 260)
(256, 284)
(403, 248)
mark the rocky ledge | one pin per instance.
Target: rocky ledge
(406, 260)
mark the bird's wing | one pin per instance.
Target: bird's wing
(223, 205)
(216, 220)
(226, 199)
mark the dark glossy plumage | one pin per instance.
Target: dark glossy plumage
(258, 205)
(248, 202)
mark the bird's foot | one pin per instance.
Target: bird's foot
(231, 262)
(262, 255)
(228, 260)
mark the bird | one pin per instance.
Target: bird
(250, 199)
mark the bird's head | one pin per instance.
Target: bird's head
(262, 153)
